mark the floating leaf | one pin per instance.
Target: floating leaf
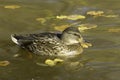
(50, 62)
(54, 62)
(57, 60)
(71, 17)
(4, 63)
(95, 13)
(83, 27)
(86, 45)
(114, 30)
(75, 17)
(61, 17)
(101, 13)
(61, 28)
(111, 16)
(12, 6)
(41, 20)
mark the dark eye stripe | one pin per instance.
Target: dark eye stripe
(76, 34)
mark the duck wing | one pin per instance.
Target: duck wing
(42, 43)
(23, 40)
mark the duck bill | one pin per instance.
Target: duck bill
(84, 44)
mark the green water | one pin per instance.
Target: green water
(103, 58)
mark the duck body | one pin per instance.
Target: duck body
(67, 43)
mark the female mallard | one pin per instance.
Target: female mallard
(67, 43)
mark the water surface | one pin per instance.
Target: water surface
(103, 58)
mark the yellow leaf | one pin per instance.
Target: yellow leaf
(75, 17)
(61, 28)
(50, 62)
(4, 63)
(71, 17)
(61, 17)
(86, 26)
(57, 60)
(12, 6)
(95, 13)
(86, 45)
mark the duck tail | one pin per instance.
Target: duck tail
(15, 39)
(21, 40)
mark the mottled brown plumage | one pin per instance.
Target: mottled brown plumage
(67, 43)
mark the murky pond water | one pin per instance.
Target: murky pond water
(102, 60)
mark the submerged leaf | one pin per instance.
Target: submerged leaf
(4, 63)
(41, 64)
(12, 6)
(114, 30)
(77, 63)
(41, 20)
(111, 16)
(16, 55)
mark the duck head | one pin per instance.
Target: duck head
(71, 35)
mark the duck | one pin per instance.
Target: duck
(67, 43)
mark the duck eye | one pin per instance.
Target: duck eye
(76, 34)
